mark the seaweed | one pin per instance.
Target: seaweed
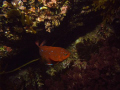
(109, 9)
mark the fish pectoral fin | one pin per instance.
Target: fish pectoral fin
(49, 64)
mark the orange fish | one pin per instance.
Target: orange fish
(49, 53)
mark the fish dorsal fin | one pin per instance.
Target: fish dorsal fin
(43, 43)
(37, 43)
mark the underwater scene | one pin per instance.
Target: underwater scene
(59, 44)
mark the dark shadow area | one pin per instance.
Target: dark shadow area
(116, 26)
(22, 57)
(64, 35)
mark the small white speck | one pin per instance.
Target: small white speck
(51, 51)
